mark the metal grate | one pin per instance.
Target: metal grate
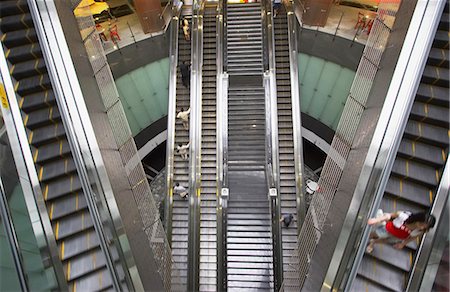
(311, 231)
(127, 149)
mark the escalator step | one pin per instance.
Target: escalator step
(38, 100)
(433, 94)
(28, 69)
(13, 7)
(436, 76)
(424, 153)
(33, 84)
(385, 275)
(13, 22)
(42, 117)
(80, 244)
(23, 53)
(62, 186)
(51, 151)
(57, 168)
(417, 172)
(85, 264)
(428, 133)
(438, 57)
(19, 37)
(413, 192)
(46, 134)
(430, 113)
(67, 205)
(71, 225)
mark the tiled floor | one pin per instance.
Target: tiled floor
(341, 21)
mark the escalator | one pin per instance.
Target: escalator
(180, 207)
(248, 229)
(79, 250)
(417, 169)
(208, 218)
(286, 142)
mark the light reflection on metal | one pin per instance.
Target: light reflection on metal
(382, 151)
(29, 181)
(272, 149)
(195, 140)
(221, 148)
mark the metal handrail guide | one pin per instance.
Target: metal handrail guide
(296, 113)
(272, 149)
(195, 140)
(171, 119)
(86, 154)
(32, 191)
(221, 150)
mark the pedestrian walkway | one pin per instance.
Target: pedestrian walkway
(343, 21)
(353, 23)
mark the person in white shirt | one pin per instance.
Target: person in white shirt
(184, 117)
(183, 150)
(180, 190)
(186, 33)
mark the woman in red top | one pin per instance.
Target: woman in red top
(401, 227)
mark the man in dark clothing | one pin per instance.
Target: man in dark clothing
(185, 74)
(287, 219)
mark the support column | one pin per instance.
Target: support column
(316, 11)
(149, 13)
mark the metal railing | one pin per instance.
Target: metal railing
(221, 150)
(296, 112)
(310, 232)
(195, 140)
(32, 192)
(148, 211)
(171, 120)
(272, 149)
(85, 151)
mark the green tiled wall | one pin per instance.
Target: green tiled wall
(144, 94)
(324, 89)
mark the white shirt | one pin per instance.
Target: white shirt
(179, 189)
(183, 149)
(184, 115)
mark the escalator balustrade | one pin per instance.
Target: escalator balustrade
(286, 142)
(79, 250)
(180, 210)
(417, 169)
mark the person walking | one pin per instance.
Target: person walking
(185, 74)
(180, 190)
(287, 219)
(187, 35)
(183, 150)
(400, 228)
(184, 117)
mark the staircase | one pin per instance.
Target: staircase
(286, 142)
(249, 236)
(180, 210)
(208, 218)
(244, 39)
(78, 244)
(417, 169)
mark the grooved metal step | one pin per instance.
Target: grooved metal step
(180, 208)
